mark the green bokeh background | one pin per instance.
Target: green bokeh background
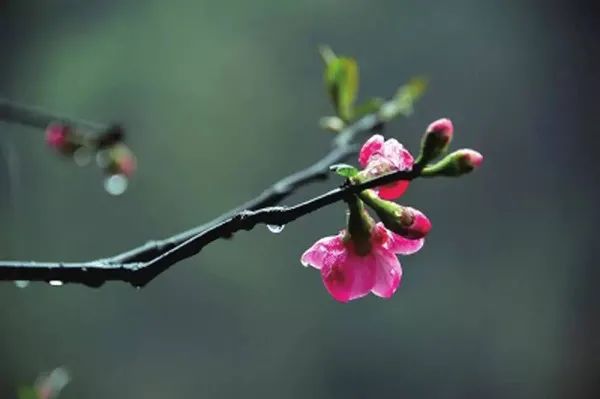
(223, 98)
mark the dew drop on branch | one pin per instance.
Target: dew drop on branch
(115, 184)
(274, 228)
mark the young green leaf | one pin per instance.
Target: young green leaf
(344, 170)
(341, 80)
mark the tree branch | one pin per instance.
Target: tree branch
(142, 264)
(95, 273)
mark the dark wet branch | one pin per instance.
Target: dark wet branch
(140, 265)
(95, 273)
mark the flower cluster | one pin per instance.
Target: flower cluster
(113, 157)
(362, 258)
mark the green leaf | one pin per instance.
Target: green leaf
(27, 393)
(368, 107)
(344, 170)
(341, 79)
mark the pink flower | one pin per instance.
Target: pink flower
(378, 157)
(349, 276)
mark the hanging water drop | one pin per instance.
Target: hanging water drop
(115, 184)
(22, 283)
(275, 228)
(55, 283)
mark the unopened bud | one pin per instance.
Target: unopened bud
(457, 163)
(61, 138)
(405, 221)
(436, 139)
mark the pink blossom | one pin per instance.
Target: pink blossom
(378, 156)
(348, 275)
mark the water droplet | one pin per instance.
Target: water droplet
(55, 283)
(22, 283)
(82, 156)
(274, 228)
(115, 184)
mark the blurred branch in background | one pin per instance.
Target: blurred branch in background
(25, 115)
(80, 141)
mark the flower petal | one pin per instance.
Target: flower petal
(393, 190)
(371, 147)
(351, 277)
(326, 250)
(395, 243)
(387, 274)
(397, 154)
(404, 246)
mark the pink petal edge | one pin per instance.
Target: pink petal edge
(322, 251)
(388, 275)
(369, 148)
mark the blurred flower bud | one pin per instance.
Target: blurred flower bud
(405, 221)
(61, 138)
(457, 163)
(436, 139)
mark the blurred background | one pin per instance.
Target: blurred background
(222, 98)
